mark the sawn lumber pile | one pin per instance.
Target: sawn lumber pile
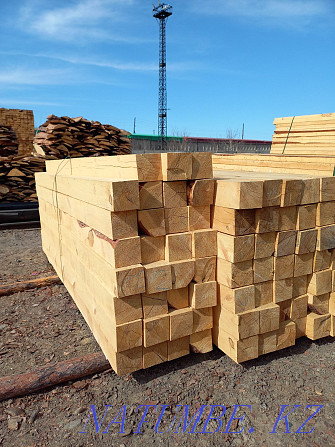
(275, 265)
(22, 124)
(305, 135)
(78, 137)
(130, 238)
(8, 141)
(153, 275)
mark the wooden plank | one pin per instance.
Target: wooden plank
(320, 282)
(182, 273)
(332, 325)
(204, 243)
(282, 290)
(154, 355)
(319, 304)
(286, 335)
(119, 253)
(141, 167)
(202, 295)
(325, 238)
(306, 241)
(306, 216)
(267, 343)
(176, 220)
(178, 298)
(263, 269)
(174, 194)
(234, 222)
(298, 307)
(155, 330)
(201, 342)
(318, 326)
(199, 217)
(300, 326)
(300, 284)
(272, 191)
(154, 304)
(200, 192)
(235, 248)
(181, 323)
(283, 267)
(176, 166)
(157, 277)
(292, 192)
(113, 225)
(237, 300)
(178, 247)
(150, 195)
(152, 249)
(267, 219)
(303, 264)
(234, 275)
(264, 245)
(268, 318)
(240, 326)
(204, 269)
(238, 350)
(332, 303)
(152, 222)
(327, 189)
(263, 293)
(127, 336)
(238, 194)
(112, 195)
(178, 348)
(285, 243)
(288, 218)
(325, 214)
(202, 165)
(202, 319)
(322, 260)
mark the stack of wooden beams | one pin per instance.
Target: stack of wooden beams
(8, 141)
(22, 122)
(276, 164)
(275, 265)
(305, 135)
(78, 137)
(130, 238)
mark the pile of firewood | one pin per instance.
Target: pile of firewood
(78, 137)
(17, 177)
(8, 141)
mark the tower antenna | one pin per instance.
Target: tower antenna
(161, 13)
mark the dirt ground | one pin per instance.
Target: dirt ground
(43, 326)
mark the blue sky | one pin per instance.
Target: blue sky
(229, 62)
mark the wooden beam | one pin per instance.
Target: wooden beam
(20, 286)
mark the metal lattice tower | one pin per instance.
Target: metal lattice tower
(161, 13)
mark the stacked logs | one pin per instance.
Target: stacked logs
(78, 137)
(8, 141)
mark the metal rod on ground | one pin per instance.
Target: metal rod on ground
(51, 375)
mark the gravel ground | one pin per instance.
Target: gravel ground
(43, 326)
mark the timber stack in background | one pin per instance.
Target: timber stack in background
(63, 137)
(59, 137)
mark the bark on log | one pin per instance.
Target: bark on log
(20, 286)
(51, 375)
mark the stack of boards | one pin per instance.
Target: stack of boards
(130, 238)
(22, 123)
(8, 141)
(160, 258)
(305, 135)
(276, 261)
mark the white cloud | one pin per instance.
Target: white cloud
(80, 21)
(268, 9)
(23, 76)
